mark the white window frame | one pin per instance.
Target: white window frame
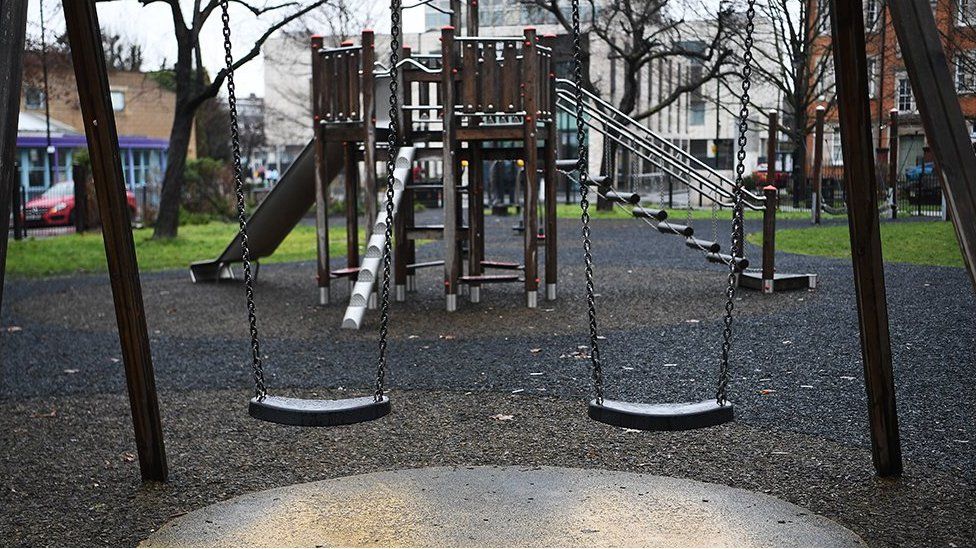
(901, 79)
(118, 106)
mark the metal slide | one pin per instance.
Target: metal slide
(372, 260)
(275, 218)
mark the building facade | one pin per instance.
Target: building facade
(46, 151)
(890, 88)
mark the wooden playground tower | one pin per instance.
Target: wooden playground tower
(479, 99)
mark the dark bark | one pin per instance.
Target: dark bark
(168, 218)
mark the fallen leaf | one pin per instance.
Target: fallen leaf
(128, 457)
(502, 417)
(71, 371)
(767, 391)
(14, 329)
(52, 413)
(535, 373)
(535, 351)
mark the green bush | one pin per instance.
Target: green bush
(208, 188)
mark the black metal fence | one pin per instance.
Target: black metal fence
(919, 196)
(67, 207)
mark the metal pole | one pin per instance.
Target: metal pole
(13, 21)
(847, 26)
(94, 97)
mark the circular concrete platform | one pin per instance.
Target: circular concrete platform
(503, 506)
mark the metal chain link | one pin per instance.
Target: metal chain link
(738, 247)
(257, 367)
(582, 167)
(394, 151)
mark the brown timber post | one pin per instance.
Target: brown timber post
(769, 212)
(369, 122)
(552, 175)
(530, 104)
(13, 19)
(351, 179)
(942, 118)
(452, 252)
(847, 27)
(893, 161)
(94, 96)
(319, 115)
(476, 176)
(816, 202)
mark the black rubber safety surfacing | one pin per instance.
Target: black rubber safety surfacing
(661, 417)
(302, 412)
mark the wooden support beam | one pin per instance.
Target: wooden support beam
(351, 178)
(452, 250)
(13, 21)
(771, 193)
(818, 151)
(94, 97)
(850, 63)
(322, 110)
(942, 118)
(370, 202)
(530, 75)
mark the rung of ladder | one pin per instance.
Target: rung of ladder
(659, 215)
(696, 244)
(502, 265)
(741, 263)
(673, 228)
(623, 198)
(425, 265)
(348, 272)
(489, 279)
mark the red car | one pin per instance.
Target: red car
(55, 208)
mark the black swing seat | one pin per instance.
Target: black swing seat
(302, 412)
(661, 417)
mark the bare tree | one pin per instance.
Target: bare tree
(121, 53)
(793, 58)
(193, 88)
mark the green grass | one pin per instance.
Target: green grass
(922, 242)
(59, 255)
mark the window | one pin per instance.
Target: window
(905, 98)
(965, 70)
(118, 100)
(836, 150)
(872, 76)
(696, 100)
(871, 13)
(33, 98)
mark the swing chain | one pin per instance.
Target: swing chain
(393, 149)
(582, 167)
(257, 366)
(738, 247)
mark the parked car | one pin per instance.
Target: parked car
(916, 172)
(55, 208)
(760, 176)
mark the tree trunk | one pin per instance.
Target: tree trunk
(168, 219)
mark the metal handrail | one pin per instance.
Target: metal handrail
(672, 164)
(668, 171)
(564, 96)
(604, 104)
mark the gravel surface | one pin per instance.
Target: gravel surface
(798, 387)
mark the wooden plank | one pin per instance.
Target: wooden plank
(942, 117)
(322, 84)
(342, 85)
(326, 82)
(355, 101)
(13, 19)
(511, 79)
(470, 81)
(854, 110)
(94, 97)
(490, 71)
(476, 211)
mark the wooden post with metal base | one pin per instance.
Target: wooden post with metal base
(816, 198)
(847, 24)
(103, 145)
(893, 161)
